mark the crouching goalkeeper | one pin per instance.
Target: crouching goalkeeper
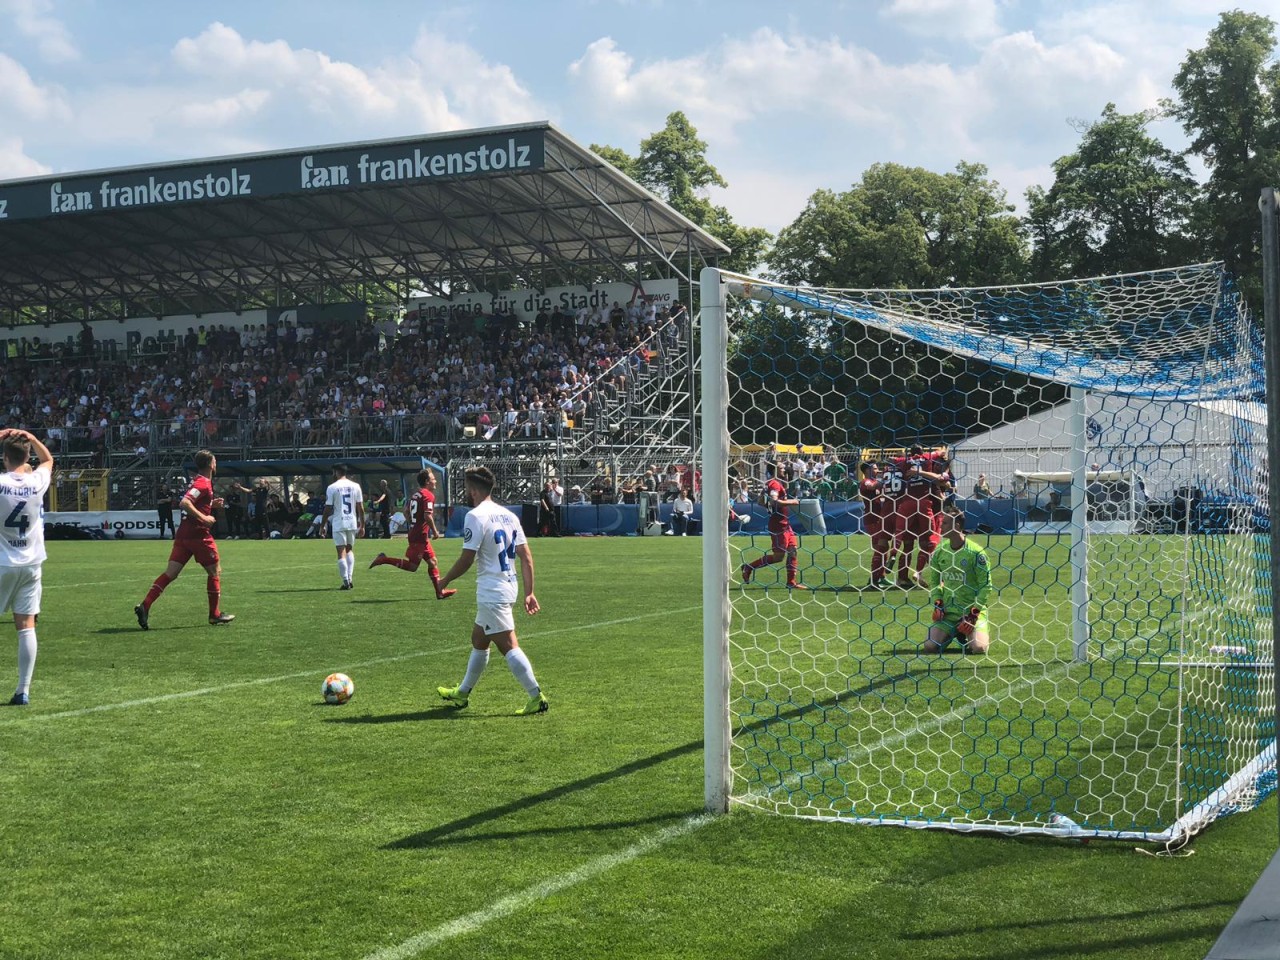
(960, 578)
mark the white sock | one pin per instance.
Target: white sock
(351, 564)
(476, 663)
(26, 659)
(522, 670)
(342, 568)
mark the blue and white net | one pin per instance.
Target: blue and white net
(1118, 424)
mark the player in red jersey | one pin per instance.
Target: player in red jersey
(784, 541)
(877, 521)
(421, 514)
(194, 538)
(912, 482)
(944, 492)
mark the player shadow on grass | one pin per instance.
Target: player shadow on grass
(136, 629)
(430, 713)
(300, 590)
(439, 834)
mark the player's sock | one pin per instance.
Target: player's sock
(342, 569)
(213, 585)
(476, 663)
(157, 588)
(26, 659)
(351, 564)
(792, 566)
(522, 670)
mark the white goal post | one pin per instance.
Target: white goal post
(1129, 689)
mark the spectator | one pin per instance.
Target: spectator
(982, 489)
(576, 495)
(681, 512)
(549, 508)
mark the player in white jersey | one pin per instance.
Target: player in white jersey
(22, 491)
(344, 512)
(493, 539)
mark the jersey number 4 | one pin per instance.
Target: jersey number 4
(18, 519)
(506, 551)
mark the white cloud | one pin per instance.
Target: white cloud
(32, 19)
(24, 96)
(965, 19)
(828, 107)
(222, 111)
(15, 163)
(438, 84)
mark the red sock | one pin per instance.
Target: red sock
(434, 573)
(157, 588)
(214, 586)
(761, 562)
(792, 565)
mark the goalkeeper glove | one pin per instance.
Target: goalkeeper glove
(969, 623)
(938, 611)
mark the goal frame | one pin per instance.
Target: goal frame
(717, 607)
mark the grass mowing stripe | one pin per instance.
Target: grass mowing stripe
(259, 681)
(472, 922)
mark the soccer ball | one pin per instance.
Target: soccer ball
(337, 689)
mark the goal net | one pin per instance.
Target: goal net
(1103, 442)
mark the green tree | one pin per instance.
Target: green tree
(905, 227)
(1121, 202)
(1227, 101)
(619, 158)
(673, 164)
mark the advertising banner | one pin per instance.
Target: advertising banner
(115, 524)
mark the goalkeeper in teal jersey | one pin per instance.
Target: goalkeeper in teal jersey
(960, 588)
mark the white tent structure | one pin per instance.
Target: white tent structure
(1167, 443)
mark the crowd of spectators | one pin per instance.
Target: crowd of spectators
(422, 379)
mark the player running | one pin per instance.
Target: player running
(877, 521)
(421, 513)
(961, 590)
(783, 540)
(493, 536)
(911, 482)
(344, 512)
(194, 538)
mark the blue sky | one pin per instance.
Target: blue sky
(791, 97)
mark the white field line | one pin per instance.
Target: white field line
(471, 922)
(259, 681)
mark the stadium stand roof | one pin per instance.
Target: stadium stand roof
(520, 205)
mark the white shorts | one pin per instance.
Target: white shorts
(20, 589)
(495, 618)
(344, 538)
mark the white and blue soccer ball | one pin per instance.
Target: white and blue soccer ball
(337, 689)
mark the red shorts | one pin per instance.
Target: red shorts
(419, 549)
(877, 526)
(205, 550)
(784, 542)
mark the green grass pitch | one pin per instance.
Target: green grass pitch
(184, 793)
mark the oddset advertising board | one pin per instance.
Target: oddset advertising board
(115, 524)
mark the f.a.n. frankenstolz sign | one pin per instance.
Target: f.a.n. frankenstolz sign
(342, 168)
